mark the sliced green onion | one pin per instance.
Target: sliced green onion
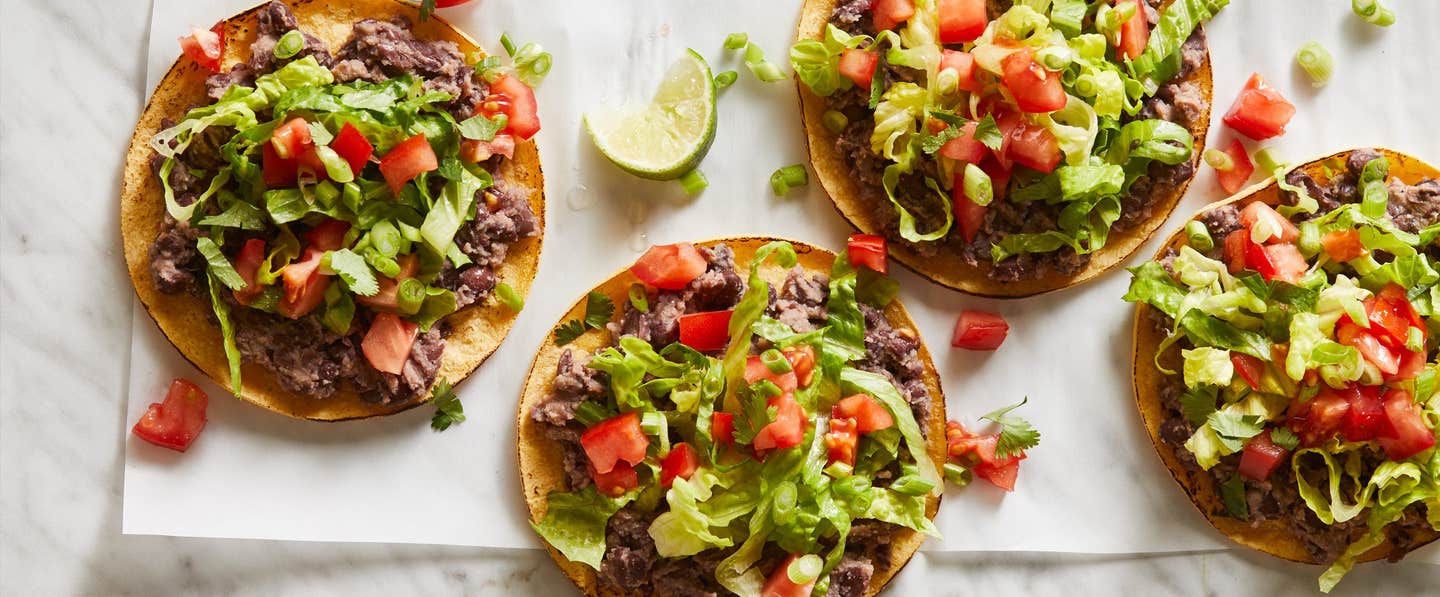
(726, 79)
(1219, 160)
(694, 181)
(763, 69)
(351, 196)
(654, 423)
(1316, 61)
(1269, 160)
(735, 41)
(385, 238)
(1199, 236)
(775, 362)
(410, 233)
(410, 294)
(507, 44)
(591, 412)
(1309, 241)
(289, 44)
(638, 298)
(957, 474)
(977, 185)
(786, 496)
(805, 569)
(1056, 57)
(335, 166)
(850, 487)
(788, 178)
(911, 485)
(835, 121)
(1415, 342)
(839, 470)
(947, 82)
(326, 193)
(1374, 199)
(1373, 12)
(509, 297)
(532, 63)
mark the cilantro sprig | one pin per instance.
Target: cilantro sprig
(448, 410)
(598, 310)
(986, 132)
(1016, 434)
(755, 411)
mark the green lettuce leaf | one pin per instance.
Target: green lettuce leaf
(575, 523)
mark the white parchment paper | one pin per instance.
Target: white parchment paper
(1094, 485)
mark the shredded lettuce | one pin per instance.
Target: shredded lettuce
(1160, 61)
(1207, 366)
(882, 390)
(575, 523)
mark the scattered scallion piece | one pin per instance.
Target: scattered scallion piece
(1316, 61)
(507, 44)
(805, 569)
(639, 299)
(763, 69)
(1199, 236)
(509, 297)
(1219, 160)
(775, 362)
(1373, 12)
(957, 474)
(977, 185)
(694, 181)
(1269, 160)
(788, 178)
(289, 44)
(725, 79)
(532, 63)
(835, 121)
(735, 41)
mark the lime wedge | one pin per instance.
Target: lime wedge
(667, 138)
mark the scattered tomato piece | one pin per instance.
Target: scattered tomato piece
(867, 250)
(1249, 368)
(523, 117)
(867, 413)
(1260, 112)
(206, 48)
(1234, 179)
(1343, 245)
(963, 64)
(669, 267)
(178, 420)
(354, 147)
(1135, 32)
(388, 342)
(1409, 435)
(615, 440)
(1036, 89)
(780, 585)
(841, 440)
(979, 330)
(247, 264)
(1278, 228)
(1261, 457)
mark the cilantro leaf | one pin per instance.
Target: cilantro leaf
(1016, 434)
(427, 7)
(240, 215)
(569, 331)
(1234, 428)
(354, 271)
(1198, 404)
(1284, 437)
(1232, 491)
(755, 412)
(988, 133)
(448, 410)
(598, 309)
(480, 128)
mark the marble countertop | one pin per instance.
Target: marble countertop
(71, 86)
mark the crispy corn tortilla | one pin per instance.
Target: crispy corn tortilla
(187, 319)
(946, 267)
(1270, 537)
(542, 467)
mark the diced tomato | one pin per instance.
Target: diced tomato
(1261, 457)
(206, 48)
(388, 342)
(669, 267)
(682, 461)
(298, 273)
(1036, 89)
(328, 235)
(275, 171)
(523, 117)
(963, 64)
(1033, 146)
(841, 440)
(247, 264)
(1317, 420)
(475, 151)
(968, 214)
(388, 297)
(1260, 112)
(309, 166)
(1343, 245)
(1279, 228)
(788, 428)
(965, 148)
(978, 452)
(979, 330)
(999, 175)
(889, 13)
(311, 295)
(859, 66)
(1234, 179)
(175, 422)
(406, 161)
(756, 370)
(292, 138)
(802, 362)
(449, 3)
(780, 585)
(1395, 294)
(1249, 368)
(1408, 434)
(615, 440)
(722, 428)
(354, 147)
(616, 482)
(867, 413)
(1412, 364)
(961, 21)
(1000, 473)
(867, 250)
(1135, 32)
(1386, 322)
(1366, 416)
(1383, 357)
(707, 331)
(1236, 245)
(1276, 262)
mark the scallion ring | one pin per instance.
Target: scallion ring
(1316, 61)
(409, 294)
(507, 44)
(1199, 236)
(1269, 160)
(639, 299)
(786, 496)
(335, 166)
(725, 79)
(289, 44)
(694, 181)
(805, 569)
(509, 297)
(957, 474)
(1219, 160)
(835, 121)
(1373, 12)
(735, 41)
(977, 185)
(788, 178)
(775, 362)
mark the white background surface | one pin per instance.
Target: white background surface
(63, 347)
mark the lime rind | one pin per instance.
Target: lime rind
(667, 138)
